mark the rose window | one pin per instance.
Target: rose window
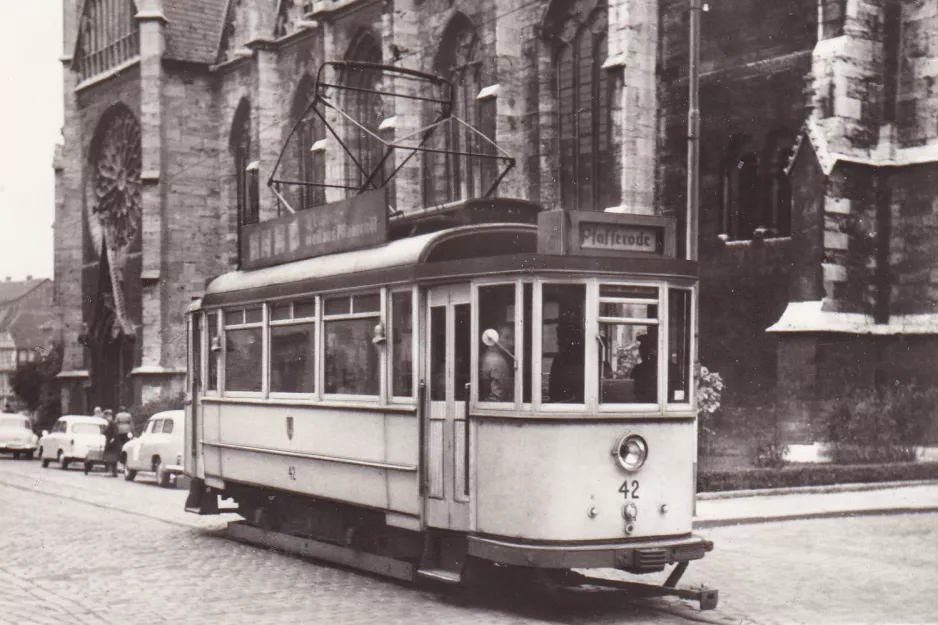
(117, 180)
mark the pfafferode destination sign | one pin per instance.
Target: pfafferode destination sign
(590, 233)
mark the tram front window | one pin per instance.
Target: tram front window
(562, 344)
(496, 362)
(628, 337)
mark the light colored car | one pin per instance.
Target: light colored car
(158, 449)
(16, 435)
(71, 438)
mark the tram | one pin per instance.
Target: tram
(495, 386)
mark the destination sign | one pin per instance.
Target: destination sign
(591, 233)
(354, 223)
(594, 236)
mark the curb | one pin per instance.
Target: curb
(806, 516)
(807, 490)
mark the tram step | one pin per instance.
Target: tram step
(440, 575)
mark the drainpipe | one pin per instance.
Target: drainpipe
(693, 131)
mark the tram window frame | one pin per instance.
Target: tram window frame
(213, 354)
(239, 319)
(589, 350)
(275, 309)
(390, 329)
(691, 357)
(657, 322)
(518, 348)
(378, 316)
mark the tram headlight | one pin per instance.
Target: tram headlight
(630, 452)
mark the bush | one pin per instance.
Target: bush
(814, 475)
(141, 412)
(865, 426)
(709, 396)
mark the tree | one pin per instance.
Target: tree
(37, 385)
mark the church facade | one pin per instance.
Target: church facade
(818, 135)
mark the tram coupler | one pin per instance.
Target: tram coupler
(707, 598)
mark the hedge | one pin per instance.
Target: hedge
(814, 475)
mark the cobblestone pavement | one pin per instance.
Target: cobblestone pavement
(94, 550)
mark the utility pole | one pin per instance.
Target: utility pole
(693, 131)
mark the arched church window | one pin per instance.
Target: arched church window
(584, 105)
(778, 208)
(107, 36)
(367, 108)
(245, 171)
(741, 205)
(449, 176)
(311, 163)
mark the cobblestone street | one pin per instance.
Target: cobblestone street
(98, 550)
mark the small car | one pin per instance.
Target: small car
(16, 435)
(71, 438)
(158, 449)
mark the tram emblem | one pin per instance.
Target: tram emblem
(290, 428)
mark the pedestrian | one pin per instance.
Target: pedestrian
(112, 444)
(496, 373)
(98, 412)
(124, 424)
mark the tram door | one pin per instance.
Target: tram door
(449, 344)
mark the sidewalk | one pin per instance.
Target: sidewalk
(814, 502)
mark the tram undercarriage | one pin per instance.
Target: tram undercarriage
(360, 538)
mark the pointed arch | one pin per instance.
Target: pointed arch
(779, 147)
(311, 164)
(240, 144)
(739, 177)
(368, 109)
(448, 177)
(108, 35)
(579, 34)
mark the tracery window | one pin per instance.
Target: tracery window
(450, 177)
(311, 163)
(584, 98)
(244, 174)
(756, 196)
(367, 108)
(107, 36)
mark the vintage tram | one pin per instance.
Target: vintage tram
(484, 384)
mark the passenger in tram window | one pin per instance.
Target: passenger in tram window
(566, 371)
(496, 369)
(645, 373)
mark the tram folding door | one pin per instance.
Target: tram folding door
(449, 321)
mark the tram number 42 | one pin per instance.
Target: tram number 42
(629, 490)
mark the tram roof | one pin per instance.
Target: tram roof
(271, 282)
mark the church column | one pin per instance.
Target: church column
(403, 30)
(151, 22)
(268, 120)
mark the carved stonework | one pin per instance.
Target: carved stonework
(117, 201)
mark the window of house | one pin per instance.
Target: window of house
(563, 341)
(352, 360)
(402, 344)
(293, 347)
(311, 165)
(628, 338)
(584, 106)
(244, 336)
(108, 35)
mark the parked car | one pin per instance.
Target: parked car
(16, 435)
(70, 439)
(158, 449)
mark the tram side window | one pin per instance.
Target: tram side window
(402, 342)
(628, 333)
(496, 362)
(679, 302)
(244, 335)
(352, 365)
(214, 352)
(562, 344)
(293, 347)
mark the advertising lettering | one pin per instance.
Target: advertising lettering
(618, 238)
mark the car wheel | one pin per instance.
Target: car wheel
(29, 455)
(63, 461)
(16, 455)
(129, 474)
(45, 461)
(162, 477)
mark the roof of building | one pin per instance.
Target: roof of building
(13, 290)
(194, 28)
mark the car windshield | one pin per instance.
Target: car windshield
(87, 428)
(14, 422)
